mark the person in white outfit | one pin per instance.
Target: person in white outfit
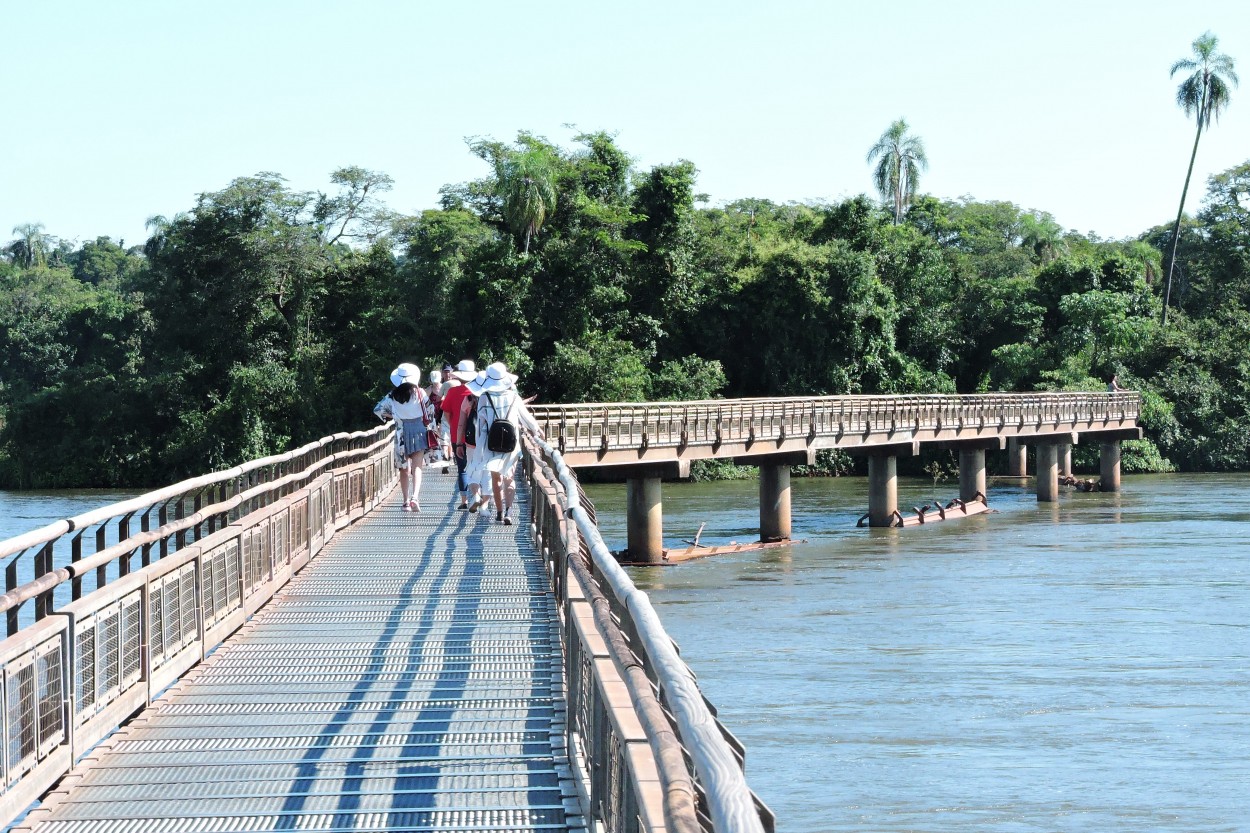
(498, 400)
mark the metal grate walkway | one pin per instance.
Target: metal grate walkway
(408, 679)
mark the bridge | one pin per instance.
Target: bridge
(277, 647)
(648, 442)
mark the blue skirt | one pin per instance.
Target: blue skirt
(412, 436)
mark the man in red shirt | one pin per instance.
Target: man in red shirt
(453, 402)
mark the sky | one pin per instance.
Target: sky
(123, 110)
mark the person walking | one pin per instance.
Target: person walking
(456, 402)
(498, 434)
(474, 444)
(409, 406)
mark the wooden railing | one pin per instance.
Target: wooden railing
(92, 656)
(671, 762)
(627, 432)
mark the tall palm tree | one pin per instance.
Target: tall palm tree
(526, 181)
(1203, 94)
(900, 159)
(1040, 232)
(31, 246)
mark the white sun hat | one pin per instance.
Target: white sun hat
(498, 379)
(466, 371)
(406, 372)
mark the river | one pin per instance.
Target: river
(1077, 666)
(1082, 666)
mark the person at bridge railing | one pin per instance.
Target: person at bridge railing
(1114, 385)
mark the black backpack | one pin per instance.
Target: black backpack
(501, 436)
(470, 425)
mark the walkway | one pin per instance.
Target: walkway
(408, 679)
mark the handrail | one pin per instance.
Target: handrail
(83, 668)
(104, 513)
(254, 484)
(716, 767)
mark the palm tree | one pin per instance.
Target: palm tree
(31, 246)
(901, 159)
(526, 181)
(1204, 95)
(1040, 232)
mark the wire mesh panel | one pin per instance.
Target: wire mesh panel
(281, 524)
(50, 693)
(256, 567)
(108, 654)
(21, 716)
(84, 669)
(132, 639)
(221, 582)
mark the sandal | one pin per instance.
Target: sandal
(476, 505)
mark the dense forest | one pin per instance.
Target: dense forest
(264, 317)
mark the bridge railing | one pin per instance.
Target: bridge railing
(642, 734)
(676, 425)
(92, 656)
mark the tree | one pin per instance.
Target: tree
(900, 158)
(31, 246)
(1203, 94)
(1040, 232)
(526, 182)
(355, 214)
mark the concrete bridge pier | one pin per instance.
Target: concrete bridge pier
(1109, 466)
(1109, 455)
(1017, 458)
(972, 464)
(883, 479)
(644, 509)
(882, 489)
(1047, 472)
(775, 490)
(1065, 459)
(644, 519)
(1050, 450)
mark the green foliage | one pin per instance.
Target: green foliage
(264, 317)
(703, 471)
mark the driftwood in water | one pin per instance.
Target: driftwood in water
(697, 550)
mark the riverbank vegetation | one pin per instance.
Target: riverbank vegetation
(264, 317)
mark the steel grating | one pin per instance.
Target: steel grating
(408, 679)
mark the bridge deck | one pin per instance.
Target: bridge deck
(408, 679)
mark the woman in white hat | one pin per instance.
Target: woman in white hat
(413, 414)
(498, 434)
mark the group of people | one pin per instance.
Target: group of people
(467, 417)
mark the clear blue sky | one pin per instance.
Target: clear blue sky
(121, 110)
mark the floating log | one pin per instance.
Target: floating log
(936, 511)
(677, 556)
